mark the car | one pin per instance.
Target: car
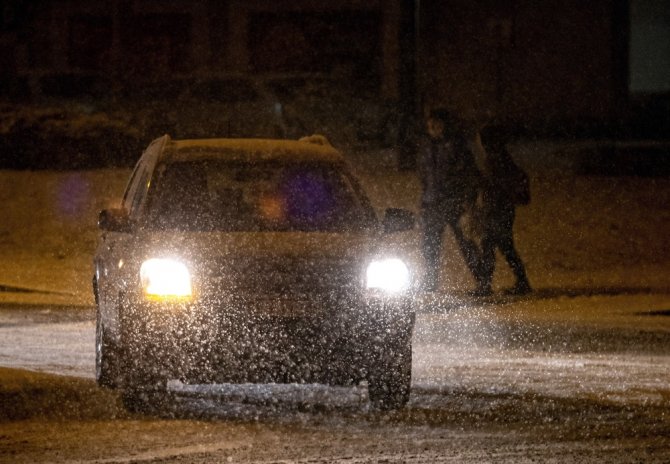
(252, 261)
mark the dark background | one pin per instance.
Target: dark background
(76, 74)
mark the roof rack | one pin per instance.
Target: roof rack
(316, 139)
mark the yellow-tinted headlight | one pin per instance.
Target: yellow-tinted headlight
(165, 279)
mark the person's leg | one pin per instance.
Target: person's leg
(473, 258)
(488, 264)
(508, 250)
(433, 227)
(516, 264)
(489, 231)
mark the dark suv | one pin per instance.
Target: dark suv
(249, 260)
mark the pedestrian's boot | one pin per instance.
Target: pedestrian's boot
(522, 287)
(482, 290)
(484, 285)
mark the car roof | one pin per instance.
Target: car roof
(314, 149)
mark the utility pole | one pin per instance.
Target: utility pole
(409, 16)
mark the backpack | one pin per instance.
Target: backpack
(520, 191)
(513, 181)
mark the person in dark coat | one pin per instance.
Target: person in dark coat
(450, 180)
(505, 187)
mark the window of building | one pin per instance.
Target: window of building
(156, 45)
(649, 47)
(346, 42)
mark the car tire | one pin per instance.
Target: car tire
(390, 376)
(144, 390)
(144, 386)
(107, 359)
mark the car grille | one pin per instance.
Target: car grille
(289, 277)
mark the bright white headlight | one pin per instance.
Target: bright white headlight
(391, 275)
(165, 279)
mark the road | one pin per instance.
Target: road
(559, 377)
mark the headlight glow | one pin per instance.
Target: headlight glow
(165, 279)
(391, 275)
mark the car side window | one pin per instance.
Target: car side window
(141, 177)
(139, 194)
(136, 188)
(131, 188)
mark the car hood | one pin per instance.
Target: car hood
(203, 246)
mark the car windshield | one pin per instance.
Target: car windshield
(262, 196)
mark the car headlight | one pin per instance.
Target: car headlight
(165, 279)
(390, 275)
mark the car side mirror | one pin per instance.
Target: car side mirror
(398, 220)
(114, 220)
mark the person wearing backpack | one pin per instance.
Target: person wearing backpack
(506, 186)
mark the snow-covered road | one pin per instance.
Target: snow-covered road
(518, 348)
(565, 379)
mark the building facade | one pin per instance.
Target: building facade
(528, 63)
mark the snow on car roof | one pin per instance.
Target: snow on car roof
(307, 149)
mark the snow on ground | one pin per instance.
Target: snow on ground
(581, 349)
(65, 348)
(48, 232)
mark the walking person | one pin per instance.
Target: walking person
(449, 180)
(506, 186)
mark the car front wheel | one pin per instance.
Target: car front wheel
(144, 385)
(390, 376)
(107, 359)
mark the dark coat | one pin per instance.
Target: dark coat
(506, 183)
(448, 173)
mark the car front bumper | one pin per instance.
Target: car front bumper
(323, 339)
